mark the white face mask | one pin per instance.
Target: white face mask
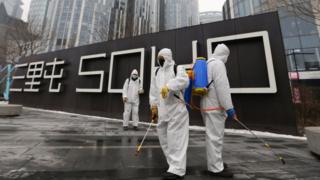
(134, 76)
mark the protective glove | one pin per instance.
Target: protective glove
(154, 114)
(125, 99)
(232, 114)
(205, 91)
(164, 92)
(141, 91)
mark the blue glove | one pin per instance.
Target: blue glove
(231, 113)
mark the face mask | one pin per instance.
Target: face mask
(134, 77)
(161, 61)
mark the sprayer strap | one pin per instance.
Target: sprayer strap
(175, 67)
(209, 84)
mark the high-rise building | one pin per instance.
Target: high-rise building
(13, 7)
(145, 17)
(210, 16)
(38, 15)
(79, 22)
(299, 30)
(74, 22)
(178, 13)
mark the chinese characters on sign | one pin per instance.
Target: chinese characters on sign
(52, 76)
(35, 73)
(35, 70)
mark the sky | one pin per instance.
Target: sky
(204, 5)
(210, 5)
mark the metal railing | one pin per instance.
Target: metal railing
(6, 73)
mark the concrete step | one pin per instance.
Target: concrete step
(313, 138)
(10, 109)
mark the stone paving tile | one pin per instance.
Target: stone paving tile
(42, 145)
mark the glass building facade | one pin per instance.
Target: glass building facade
(80, 22)
(300, 32)
(38, 14)
(178, 13)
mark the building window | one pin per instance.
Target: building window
(306, 25)
(292, 43)
(310, 41)
(289, 26)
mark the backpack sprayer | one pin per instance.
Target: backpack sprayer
(198, 86)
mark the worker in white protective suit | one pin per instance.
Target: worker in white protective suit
(218, 96)
(130, 95)
(167, 84)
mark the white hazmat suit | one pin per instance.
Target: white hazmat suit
(130, 92)
(173, 123)
(218, 96)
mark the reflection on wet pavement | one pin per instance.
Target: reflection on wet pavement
(42, 145)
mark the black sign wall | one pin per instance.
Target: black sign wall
(88, 79)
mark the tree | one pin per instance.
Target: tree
(25, 39)
(308, 10)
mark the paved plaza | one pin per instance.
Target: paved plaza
(48, 145)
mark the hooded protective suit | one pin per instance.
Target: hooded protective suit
(173, 123)
(130, 92)
(218, 96)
